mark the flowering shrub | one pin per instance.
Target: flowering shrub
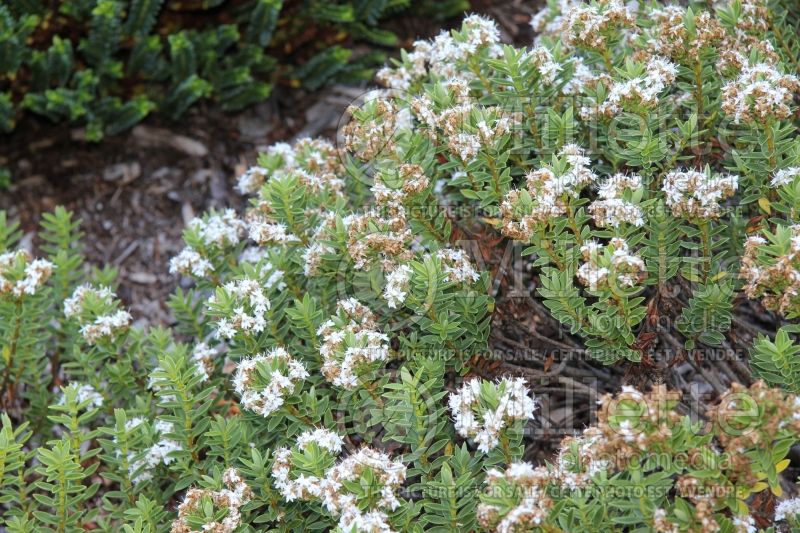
(316, 375)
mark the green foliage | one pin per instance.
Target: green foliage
(708, 314)
(777, 361)
(107, 64)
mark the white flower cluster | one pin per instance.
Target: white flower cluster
(662, 524)
(312, 160)
(100, 320)
(83, 393)
(396, 289)
(20, 275)
(524, 211)
(221, 229)
(295, 485)
(583, 77)
(312, 257)
(542, 58)
(440, 57)
(250, 306)
(759, 94)
(412, 180)
(785, 176)
(265, 231)
(457, 266)
(324, 438)
(744, 524)
(477, 416)
(640, 91)
(389, 474)
(611, 208)
(588, 25)
(465, 127)
(788, 510)
(607, 264)
(530, 507)
(264, 381)
(141, 464)
(106, 326)
(371, 134)
(190, 262)
(577, 175)
(695, 194)
(74, 305)
(669, 35)
(351, 344)
(230, 499)
(548, 21)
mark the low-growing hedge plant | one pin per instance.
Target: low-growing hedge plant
(317, 373)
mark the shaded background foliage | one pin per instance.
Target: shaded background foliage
(109, 63)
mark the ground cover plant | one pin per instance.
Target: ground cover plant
(320, 371)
